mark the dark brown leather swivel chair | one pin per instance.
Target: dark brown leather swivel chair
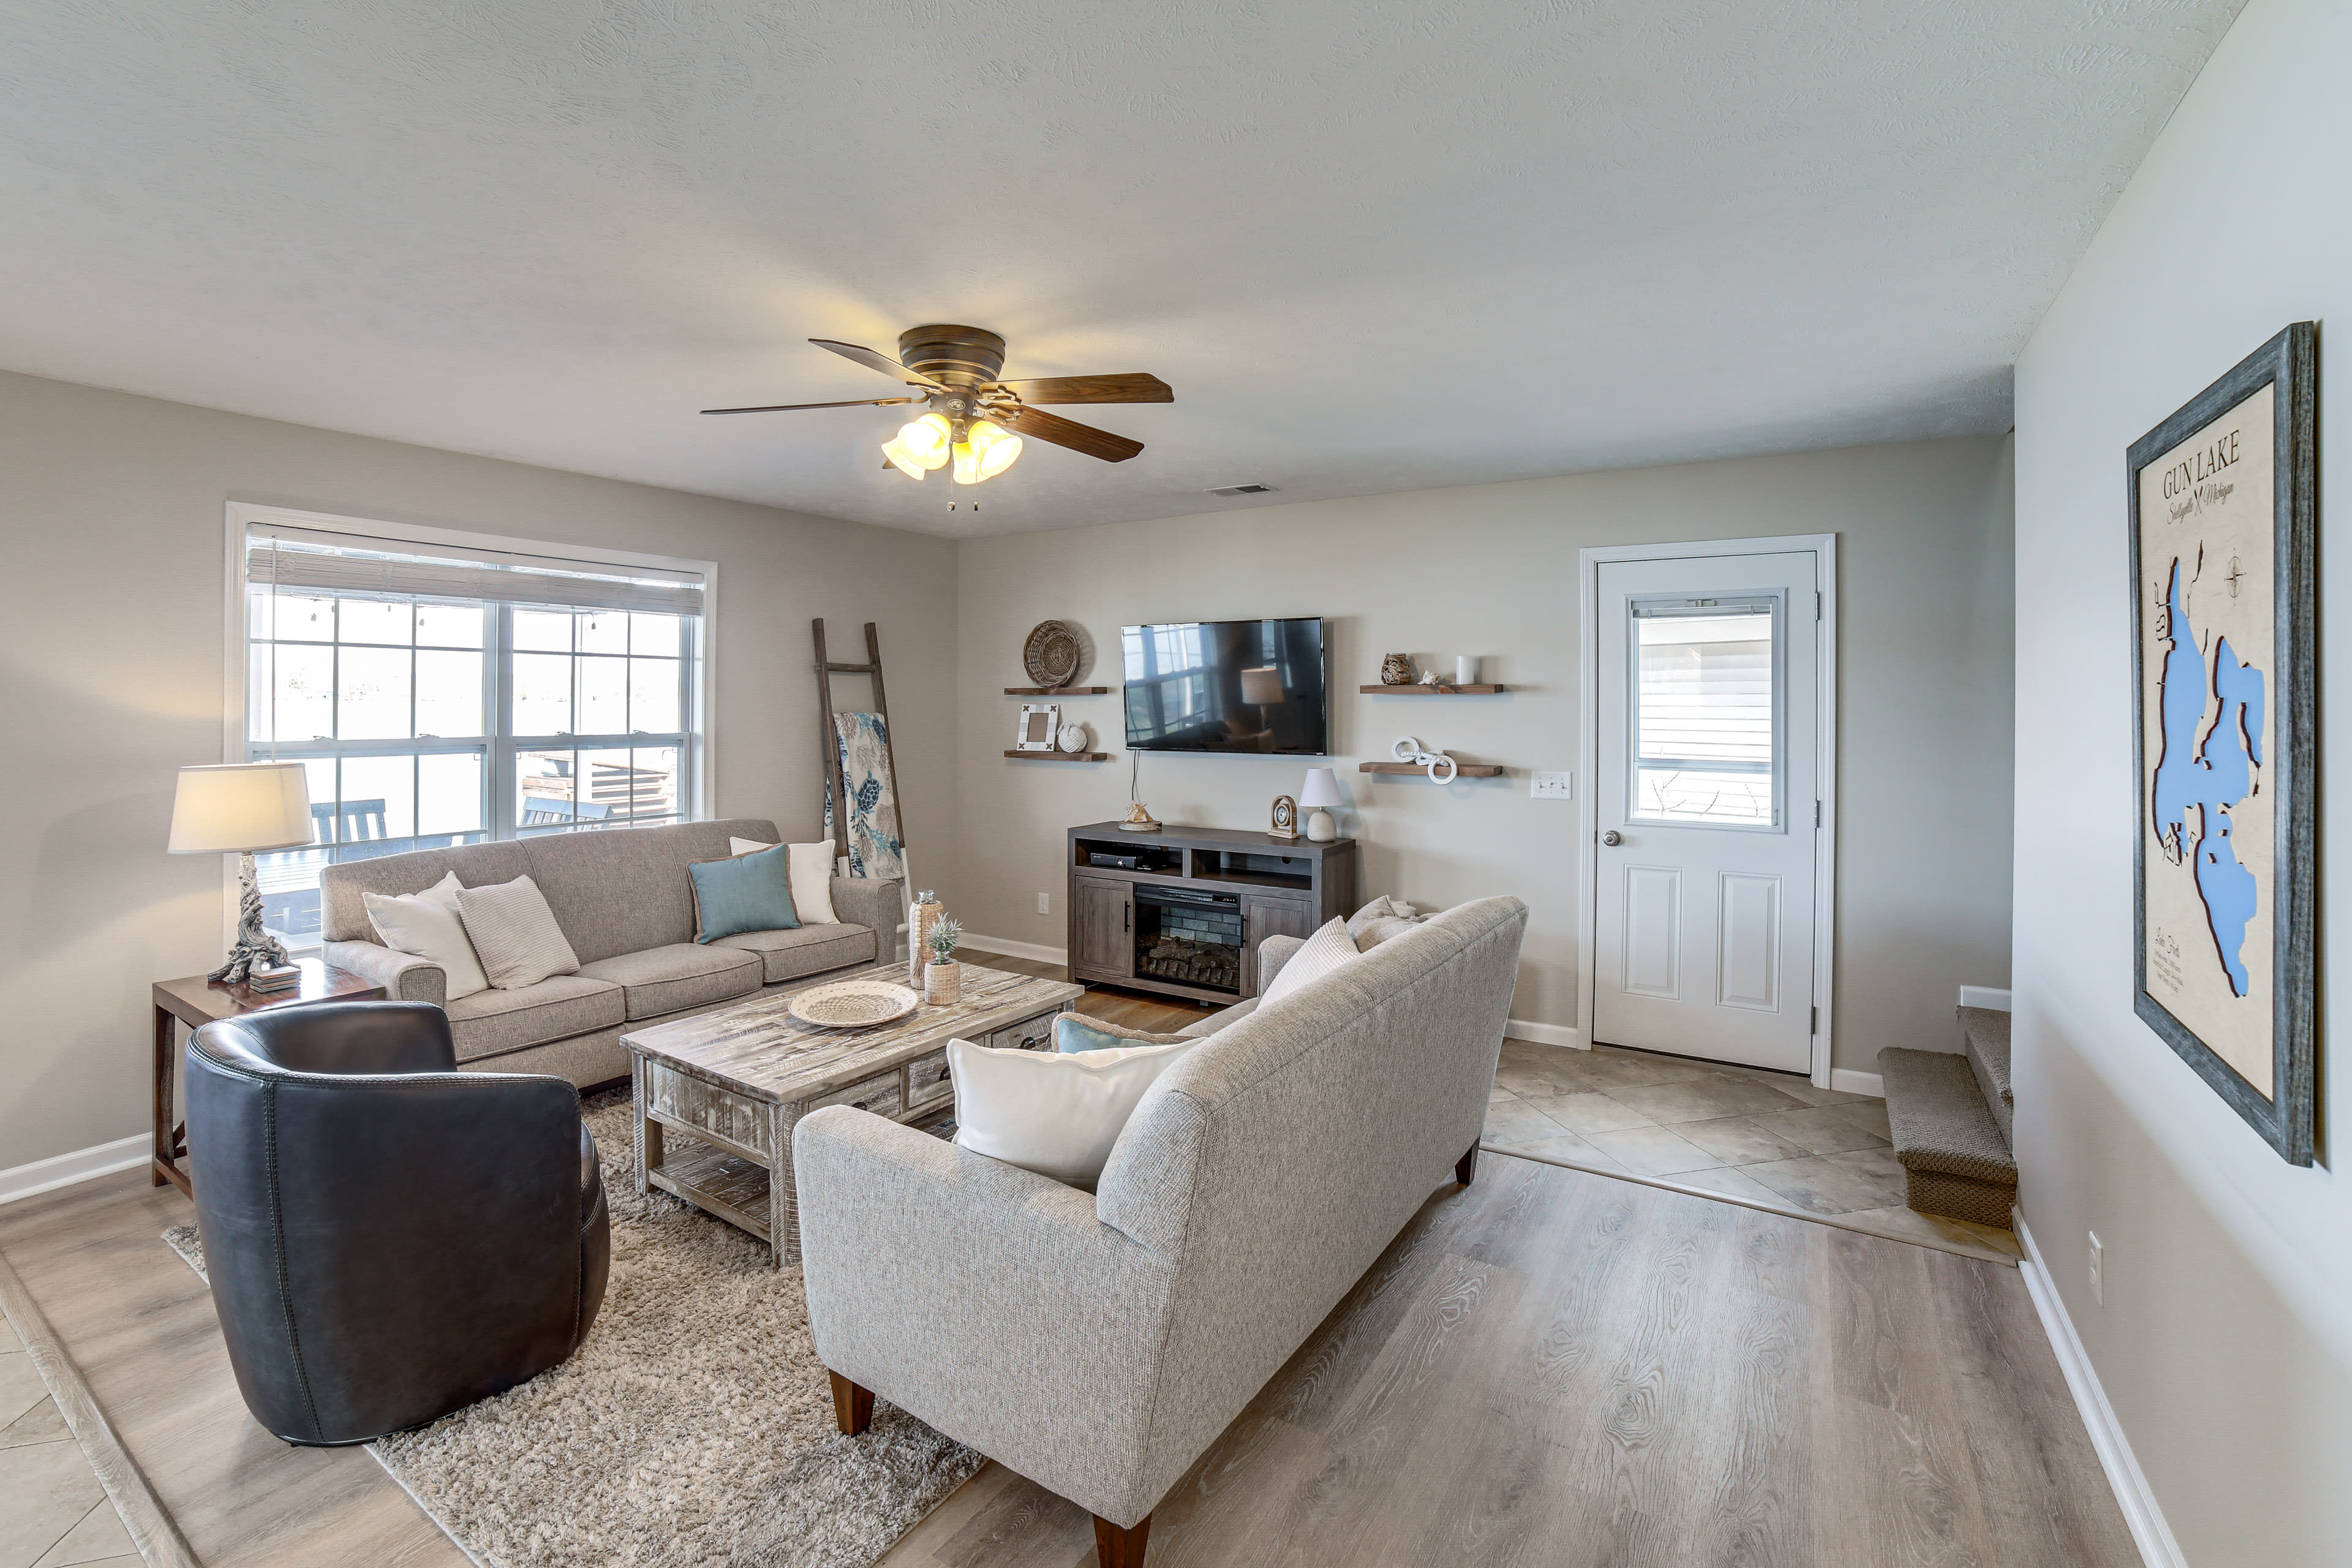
(388, 1238)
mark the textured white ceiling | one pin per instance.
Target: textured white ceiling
(1374, 246)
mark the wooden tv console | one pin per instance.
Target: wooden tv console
(1195, 890)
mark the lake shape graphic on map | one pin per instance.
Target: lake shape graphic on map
(2207, 768)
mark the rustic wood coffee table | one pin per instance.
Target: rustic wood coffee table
(738, 1080)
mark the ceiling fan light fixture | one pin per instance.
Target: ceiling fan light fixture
(925, 438)
(995, 448)
(905, 462)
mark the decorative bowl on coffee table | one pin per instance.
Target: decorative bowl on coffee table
(854, 1004)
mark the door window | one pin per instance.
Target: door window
(1706, 710)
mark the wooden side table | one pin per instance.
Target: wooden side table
(196, 1000)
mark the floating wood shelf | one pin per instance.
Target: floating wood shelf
(1056, 690)
(1441, 690)
(1062, 756)
(1461, 770)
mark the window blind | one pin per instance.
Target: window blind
(323, 563)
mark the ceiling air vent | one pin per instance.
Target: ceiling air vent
(1242, 490)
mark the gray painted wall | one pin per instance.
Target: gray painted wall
(2225, 1342)
(1925, 540)
(110, 673)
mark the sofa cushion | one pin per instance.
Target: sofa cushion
(426, 925)
(1329, 949)
(812, 877)
(1055, 1114)
(343, 916)
(752, 891)
(493, 1021)
(625, 889)
(515, 934)
(1075, 1032)
(812, 950)
(676, 975)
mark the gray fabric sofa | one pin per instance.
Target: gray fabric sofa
(1097, 1342)
(627, 905)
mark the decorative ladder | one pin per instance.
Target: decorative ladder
(830, 741)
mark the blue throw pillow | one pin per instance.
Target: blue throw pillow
(1074, 1033)
(749, 892)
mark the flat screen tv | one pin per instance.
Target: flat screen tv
(1226, 686)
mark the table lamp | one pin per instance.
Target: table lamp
(1321, 790)
(223, 808)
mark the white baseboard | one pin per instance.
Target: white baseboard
(81, 1165)
(1845, 1080)
(1010, 949)
(1985, 996)
(1544, 1033)
(2141, 1514)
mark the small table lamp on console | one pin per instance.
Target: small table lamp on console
(236, 808)
(1321, 791)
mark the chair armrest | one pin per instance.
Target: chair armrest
(1272, 954)
(404, 976)
(869, 901)
(986, 1299)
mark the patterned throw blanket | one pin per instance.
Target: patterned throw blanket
(876, 850)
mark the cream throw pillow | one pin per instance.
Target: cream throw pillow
(812, 877)
(425, 925)
(1055, 1114)
(1318, 955)
(514, 933)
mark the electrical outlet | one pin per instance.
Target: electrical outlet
(1045, 904)
(2098, 1267)
(1551, 786)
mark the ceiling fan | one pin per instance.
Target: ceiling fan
(973, 420)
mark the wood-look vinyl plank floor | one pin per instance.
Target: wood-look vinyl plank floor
(1551, 1367)
(1556, 1367)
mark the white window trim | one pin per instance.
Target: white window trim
(241, 516)
(1587, 601)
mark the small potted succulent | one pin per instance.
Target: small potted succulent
(943, 976)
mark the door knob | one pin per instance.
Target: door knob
(1612, 838)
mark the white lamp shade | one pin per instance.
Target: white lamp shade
(1321, 789)
(229, 807)
(1262, 686)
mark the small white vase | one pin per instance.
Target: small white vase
(943, 983)
(1465, 669)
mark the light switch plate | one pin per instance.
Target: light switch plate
(1044, 905)
(1551, 786)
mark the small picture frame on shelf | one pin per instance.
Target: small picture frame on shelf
(1041, 725)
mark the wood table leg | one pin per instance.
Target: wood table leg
(649, 1132)
(164, 1164)
(784, 1210)
(1121, 1548)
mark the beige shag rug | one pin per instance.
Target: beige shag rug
(694, 1428)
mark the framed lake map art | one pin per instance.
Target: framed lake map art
(2224, 526)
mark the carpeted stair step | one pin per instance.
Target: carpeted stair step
(1955, 1161)
(1986, 1030)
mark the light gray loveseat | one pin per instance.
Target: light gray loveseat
(626, 902)
(1097, 1342)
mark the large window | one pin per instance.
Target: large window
(442, 696)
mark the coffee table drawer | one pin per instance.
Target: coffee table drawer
(689, 1103)
(1029, 1035)
(878, 1094)
(927, 1082)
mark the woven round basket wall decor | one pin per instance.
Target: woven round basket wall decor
(1052, 654)
(854, 1004)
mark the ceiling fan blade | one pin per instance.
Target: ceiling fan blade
(882, 362)
(1067, 433)
(785, 407)
(1131, 386)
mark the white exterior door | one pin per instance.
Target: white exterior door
(1706, 805)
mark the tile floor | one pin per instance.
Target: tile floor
(1766, 1138)
(53, 1512)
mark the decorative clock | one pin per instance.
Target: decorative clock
(1285, 818)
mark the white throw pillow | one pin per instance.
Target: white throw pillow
(514, 933)
(812, 877)
(1055, 1114)
(1318, 955)
(425, 925)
